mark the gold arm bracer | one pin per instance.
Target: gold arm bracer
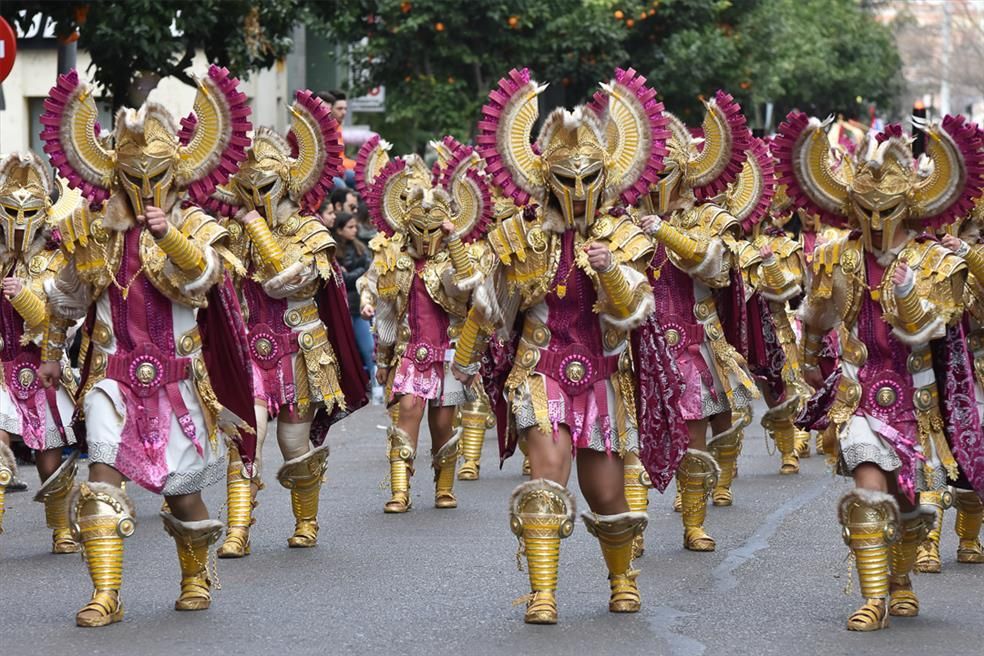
(975, 262)
(685, 246)
(811, 347)
(913, 315)
(463, 268)
(616, 286)
(266, 245)
(30, 306)
(185, 254)
(467, 351)
(53, 340)
(772, 276)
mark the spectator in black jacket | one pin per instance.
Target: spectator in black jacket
(354, 259)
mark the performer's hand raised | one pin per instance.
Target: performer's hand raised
(155, 220)
(599, 257)
(951, 242)
(902, 274)
(12, 287)
(650, 223)
(766, 253)
(447, 227)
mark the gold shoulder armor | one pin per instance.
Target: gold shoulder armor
(386, 251)
(747, 253)
(628, 242)
(783, 246)
(202, 228)
(79, 227)
(314, 235)
(717, 220)
(513, 237)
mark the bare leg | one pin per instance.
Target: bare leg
(550, 458)
(411, 414)
(600, 476)
(440, 420)
(47, 462)
(187, 507)
(698, 434)
(444, 454)
(102, 473)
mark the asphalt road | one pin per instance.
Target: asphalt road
(443, 581)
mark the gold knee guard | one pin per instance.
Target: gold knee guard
(444, 462)
(193, 540)
(696, 477)
(970, 512)
(778, 422)
(239, 512)
(725, 448)
(475, 420)
(541, 513)
(101, 516)
(8, 470)
(912, 531)
(870, 523)
(401, 455)
(54, 495)
(928, 553)
(616, 534)
(303, 477)
(637, 484)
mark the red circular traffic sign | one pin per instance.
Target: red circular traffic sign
(8, 49)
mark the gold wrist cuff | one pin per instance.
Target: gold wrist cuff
(463, 268)
(773, 276)
(465, 351)
(811, 348)
(911, 312)
(185, 255)
(30, 306)
(975, 262)
(620, 296)
(680, 243)
(53, 341)
(266, 246)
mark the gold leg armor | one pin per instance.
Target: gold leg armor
(401, 455)
(802, 440)
(725, 448)
(101, 516)
(871, 525)
(303, 477)
(913, 529)
(541, 513)
(54, 495)
(616, 535)
(444, 462)
(8, 470)
(928, 553)
(475, 420)
(637, 486)
(778, 422)
(240, 505)
(193, 540)
(696, 477)
(526, 457)
(970, 512)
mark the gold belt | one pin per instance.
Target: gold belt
(295, 317)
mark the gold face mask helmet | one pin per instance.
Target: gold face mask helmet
(880, 192)
(146, 155)
(427, 210)
(25, 188)
(573, 150)
(262, 180)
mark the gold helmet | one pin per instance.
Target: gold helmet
(880, 188)
(608, 151)
(25, 197)
(149, 160)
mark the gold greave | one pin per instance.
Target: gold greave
(303, 477)
(401, 455)
(193, 540)
(725, 448)
(778, 421)
(541, 513)
(696, 477)
(870, 522)
(802, 444)
(54, 494)
(101, 516)
(913, 529)
(928, 554)
(8, 469)
(970, 513)
(239, 512)
(444, 462)
(637, 484)
(475, 417)
(616, 534)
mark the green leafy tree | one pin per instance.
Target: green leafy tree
(134, 43)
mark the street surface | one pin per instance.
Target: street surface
(443, 581)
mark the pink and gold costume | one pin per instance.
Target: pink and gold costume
(151, 412)
(901, 402)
